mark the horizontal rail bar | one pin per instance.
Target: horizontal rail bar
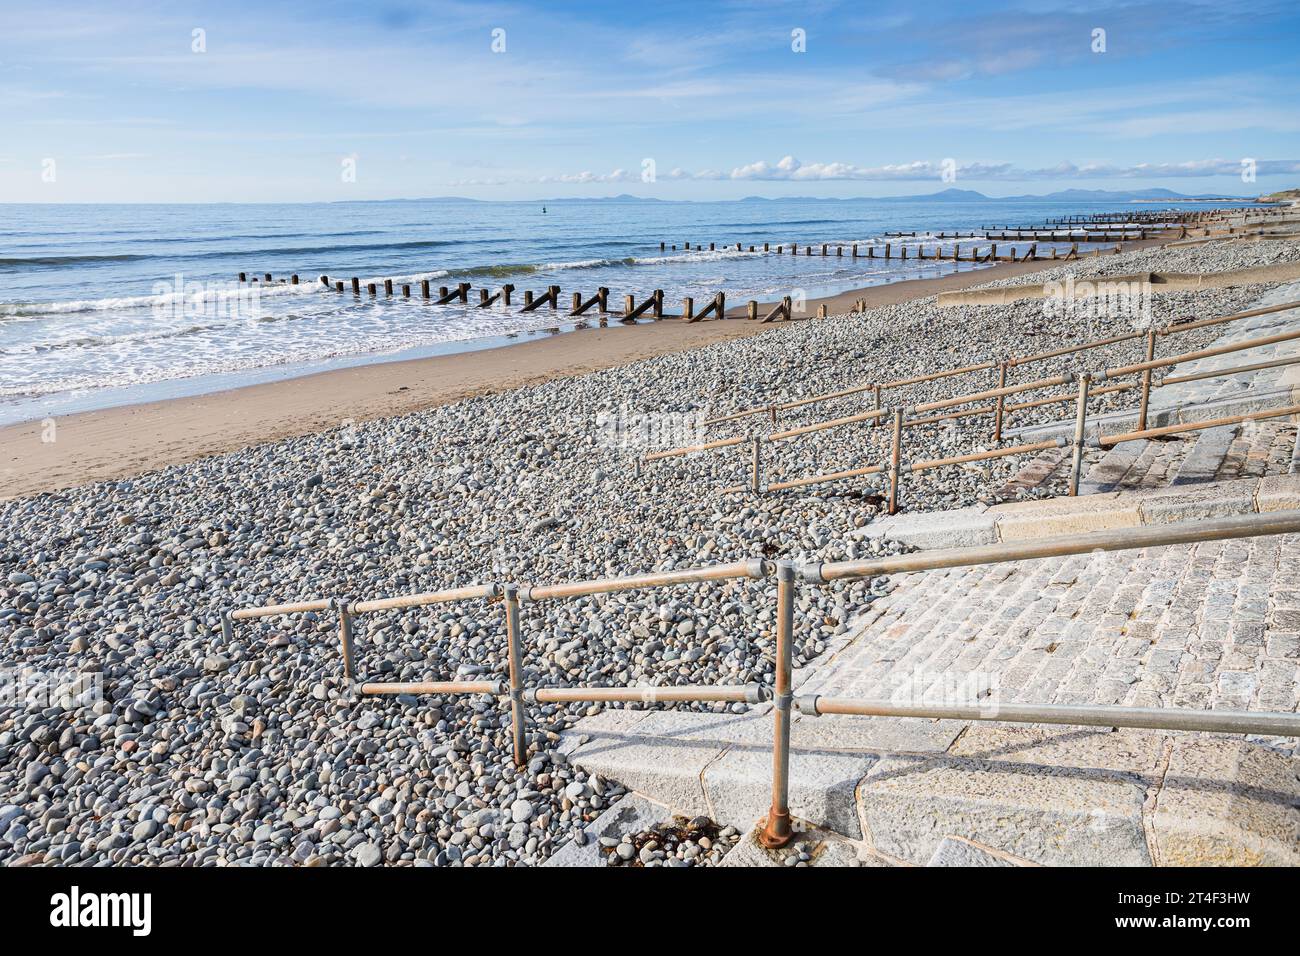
(1203, 353)
(818, 479)
(270, 610)
(429, 597)
(1070, 349)
(1071, 396)
(1176, 327)
(1155, 718)
(986, 455)
(1105, 441)
(995, 393)
(1118, 539)
(822, 426)
(691, 449)
(495, 687)
(1221, 372)
(752, 568)
(968, 413)
(744, 693)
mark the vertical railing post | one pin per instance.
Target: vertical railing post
(895, 455)
(1080, 422)
(345, 642)
(776, 829)
(516, 675)
(1146, 380)
(1002, 401)
(755, 482)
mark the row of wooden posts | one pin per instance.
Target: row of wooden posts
(651, 307)
(890, 252)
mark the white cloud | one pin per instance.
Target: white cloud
(790, 169)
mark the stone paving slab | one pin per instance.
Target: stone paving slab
(1045, 517)
(954, 851)
(1227, 803)
(1048, 517)
(1041, 813)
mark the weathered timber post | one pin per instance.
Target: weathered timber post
(554, 294)
(371, 288)
(406, 290)
(602, 300)
(293, 279)
(338, 286)
(887, 250)
(753, 310)
(658, 309)
(505, 293)
(577, 303)
(424, 288)
(356, 286)
(755, 466)
(528, 298)
(688, 309)
(388, 287)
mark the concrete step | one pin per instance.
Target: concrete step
(1108, 473)
(1207, 455)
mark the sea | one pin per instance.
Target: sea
(112, 304)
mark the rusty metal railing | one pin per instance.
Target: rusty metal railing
(1172, 328)
(951, 408)
(777, 826)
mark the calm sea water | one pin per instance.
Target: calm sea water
(109, 304)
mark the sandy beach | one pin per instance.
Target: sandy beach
(128, 440)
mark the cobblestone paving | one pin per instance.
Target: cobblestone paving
(1215, 625)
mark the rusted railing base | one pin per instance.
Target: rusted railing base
(776, 831)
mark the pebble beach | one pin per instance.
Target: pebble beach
(159, 742)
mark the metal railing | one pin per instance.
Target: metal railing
(904, 418)
(1173, 328)
(777, 829)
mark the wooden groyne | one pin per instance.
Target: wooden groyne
(1107, 232)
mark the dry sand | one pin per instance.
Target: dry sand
(132, 439)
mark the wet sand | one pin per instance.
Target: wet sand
(128, 440)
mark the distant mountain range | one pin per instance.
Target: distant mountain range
(945, 195)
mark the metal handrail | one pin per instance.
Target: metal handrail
(777, 829)
(1172, 328)
(1085, 392)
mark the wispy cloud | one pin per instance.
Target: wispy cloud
(790, 169)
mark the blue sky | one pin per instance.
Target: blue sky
(278, 101)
